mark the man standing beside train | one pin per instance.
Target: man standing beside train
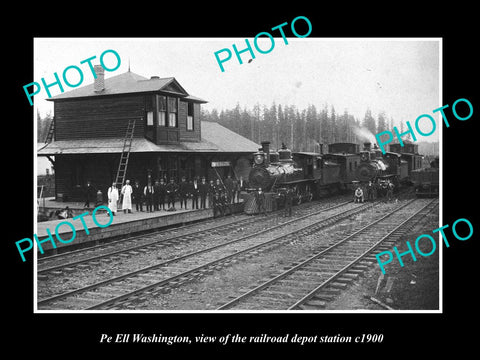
(229, 188)
(260, 199)
(288, 202)
(370, 191)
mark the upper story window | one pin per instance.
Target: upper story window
(172, 112)
(190, 116)
(150, 124)
(167, 111)
(162, 110)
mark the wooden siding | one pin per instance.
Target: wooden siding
(108, 116)
(184, 134)
(99, 117)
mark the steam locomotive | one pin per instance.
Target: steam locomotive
(313, 175)
(426, 180)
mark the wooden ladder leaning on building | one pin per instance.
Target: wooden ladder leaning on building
(51, 131)
(127, 145)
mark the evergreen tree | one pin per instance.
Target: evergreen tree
(333, 127)
(246, 125)
(325, 127)
(256, 129)
(312, 127)
(369, 122)
(382, 122)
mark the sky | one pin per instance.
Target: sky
(400, 77)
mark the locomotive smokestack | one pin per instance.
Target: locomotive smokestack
(266, 150)
(367, 146)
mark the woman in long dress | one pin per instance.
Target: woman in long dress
(113, 198)
(127, 197)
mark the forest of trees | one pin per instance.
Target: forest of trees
(300, 130)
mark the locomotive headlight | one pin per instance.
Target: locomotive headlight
(258, 158)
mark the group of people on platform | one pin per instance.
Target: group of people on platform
(373, 190)
(162, 195)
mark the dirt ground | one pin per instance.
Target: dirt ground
(415, 286)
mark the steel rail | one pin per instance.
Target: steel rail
(207, 265)
(360, 257)
(153, 243)
(312, 258)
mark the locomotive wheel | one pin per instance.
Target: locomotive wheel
(309, 197)
(299, 199)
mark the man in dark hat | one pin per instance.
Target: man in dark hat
(138, 196)
(89, 194)
(260, 199)
(203, 190)
(171, 190)
(288, 202)
(156, 195)
(229, 188)
(183, 192)
(148, 191)
(161, 192)
(194, 189)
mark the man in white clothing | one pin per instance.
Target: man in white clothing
(127, 197)
(113, 198)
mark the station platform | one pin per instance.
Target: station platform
(122, 224)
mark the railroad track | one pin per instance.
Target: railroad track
(311, 283)
(137, 285)
(102, 254)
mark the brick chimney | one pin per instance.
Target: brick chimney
(99, 82)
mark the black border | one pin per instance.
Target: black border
(409, 333)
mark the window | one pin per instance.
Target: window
(149, 124)
(150, 118)
(161, 118)
(190, 116)
(172, 112)
(172, 120)
(162, 110)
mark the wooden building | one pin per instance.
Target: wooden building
(169, 139)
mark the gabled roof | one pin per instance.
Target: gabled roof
(128, 83)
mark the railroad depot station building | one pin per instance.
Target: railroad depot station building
(89, 128)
